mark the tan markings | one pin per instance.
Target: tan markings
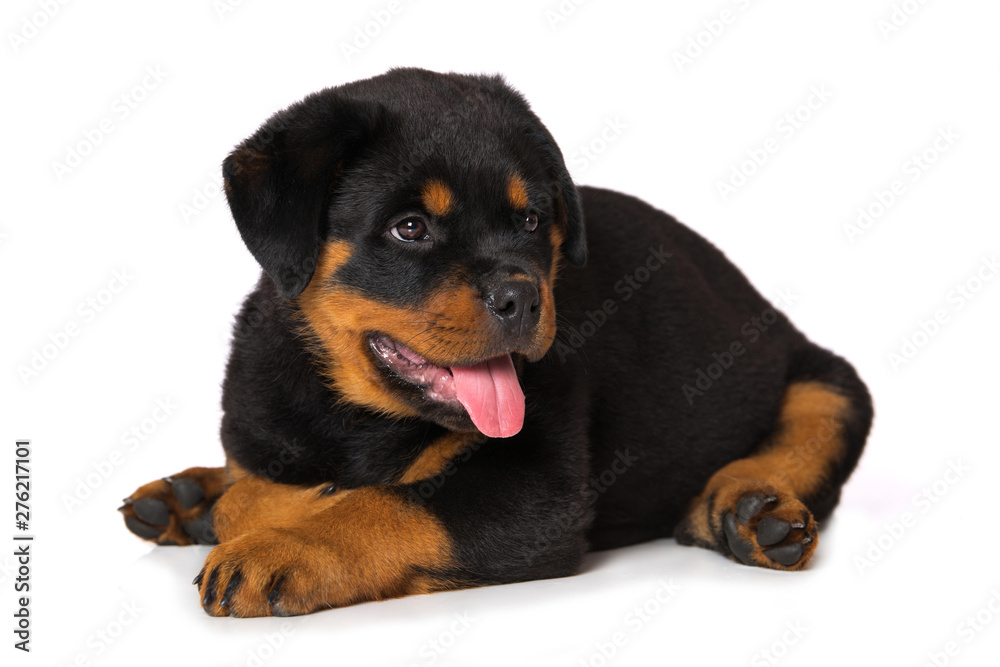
(792, 464)
(253, 502)
(437, 197)
(809, 438)
(546, 330)
(213, 481)
(696, 526)
(235, 471)
(557, 237)
(424, 584)
(517, 192)
(436, 456)
(452, 326)
(805, 443)
(372, 544)
(345, 349)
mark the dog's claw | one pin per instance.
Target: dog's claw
(209, 598)
(234, 583)
(750, 506)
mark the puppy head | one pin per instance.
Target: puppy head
(415, 221)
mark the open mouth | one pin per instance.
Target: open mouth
(489, 391)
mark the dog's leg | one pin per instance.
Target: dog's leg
(254, 502)
(370, 543)
(176, 510)
(288, 550)
(762, 510)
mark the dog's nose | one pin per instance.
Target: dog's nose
(516, 305)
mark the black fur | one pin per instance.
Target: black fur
(608, 396)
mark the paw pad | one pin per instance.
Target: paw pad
(770, 531)
(172, 511)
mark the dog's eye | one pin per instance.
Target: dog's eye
(530, 222)
(411, 229)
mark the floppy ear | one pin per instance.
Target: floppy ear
(278, 182)
(571, 210)
(565, 195)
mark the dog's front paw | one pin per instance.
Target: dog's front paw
(176, 510)
(769, 529)
(268, 572)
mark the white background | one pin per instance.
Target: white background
(875, 595)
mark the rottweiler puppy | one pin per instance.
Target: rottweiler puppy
(460, 369)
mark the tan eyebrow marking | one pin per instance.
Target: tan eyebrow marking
(517, 192)
(437, 197)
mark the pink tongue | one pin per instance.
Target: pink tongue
(492, 396)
